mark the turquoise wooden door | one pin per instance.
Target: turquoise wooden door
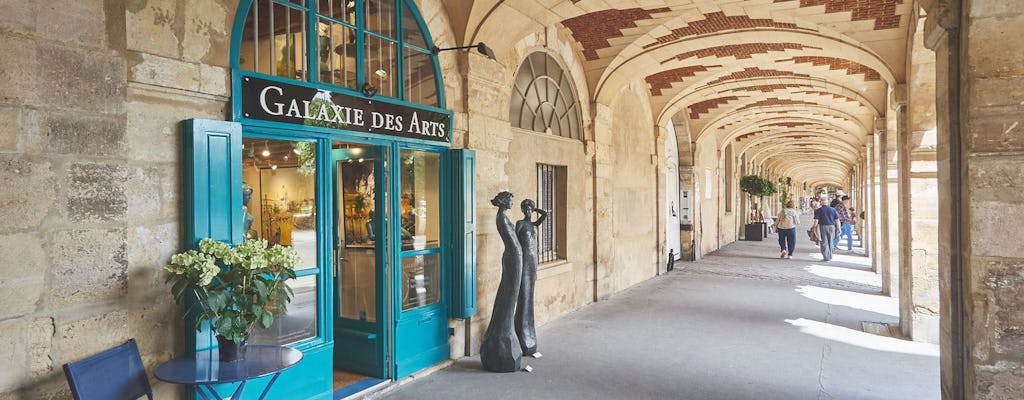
(420, 297)
(361, 248)
(213, 207)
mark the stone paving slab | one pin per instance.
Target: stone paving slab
(739, 324)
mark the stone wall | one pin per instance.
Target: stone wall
(707, 210)
(93, 93)
(979, 70)
(633, 201)
(992, 90)
(919, 294)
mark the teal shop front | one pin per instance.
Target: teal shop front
(339, 146)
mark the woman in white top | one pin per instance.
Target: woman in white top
(785, 224)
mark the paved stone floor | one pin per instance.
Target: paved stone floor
(739, 324)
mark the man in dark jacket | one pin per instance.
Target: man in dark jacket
(825, 220)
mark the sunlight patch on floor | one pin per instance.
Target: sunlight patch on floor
(844, 274)
(863, 339)
(861, 301)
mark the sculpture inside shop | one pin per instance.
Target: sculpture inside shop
(246, 216)
(500, 351)
(526, 232)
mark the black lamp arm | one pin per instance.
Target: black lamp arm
(436, 49)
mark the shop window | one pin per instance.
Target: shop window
(544, 98)
(274, 41)
(395, 49)
(279, 191)
(551, 191)
(420, 205)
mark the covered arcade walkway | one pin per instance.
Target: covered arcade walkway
(738, 324)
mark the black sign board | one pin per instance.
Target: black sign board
(293, 104)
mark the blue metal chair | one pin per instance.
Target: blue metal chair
(115, 374)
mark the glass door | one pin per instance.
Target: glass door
(361, 248)
(421, 322)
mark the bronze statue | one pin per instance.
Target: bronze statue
(500, 351)
(526, 231)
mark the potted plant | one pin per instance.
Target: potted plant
(754, 185)
(236, 289)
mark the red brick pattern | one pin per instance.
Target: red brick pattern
(718, 21)
(665, 79)
(741, 51)
(696, 109)
(773, 101)
(749, 135)
(788, 124)
(882, 11)
(593, 30)
(755, 72)
(852, 68)
(834, 95)
(769, 88)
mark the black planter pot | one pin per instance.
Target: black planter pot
(754, 231)
(230, 351)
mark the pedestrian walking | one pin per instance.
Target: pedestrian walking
(825, 220)
(785, 224)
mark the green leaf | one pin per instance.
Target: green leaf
(217, 301)
(178, 290)
(267, 320)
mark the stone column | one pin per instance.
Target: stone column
(919, 294)
(876, 203)
(888, 238)
(869, 230)
(980, 150)
(603, 164)
(863, 200)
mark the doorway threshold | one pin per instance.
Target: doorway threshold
(361, 387)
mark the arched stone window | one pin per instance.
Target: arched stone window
(543, 98)
(343, 43)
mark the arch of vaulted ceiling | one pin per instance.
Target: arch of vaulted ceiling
(724, 68)
(729, 125)
(693, 63)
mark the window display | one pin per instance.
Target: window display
(279, 195)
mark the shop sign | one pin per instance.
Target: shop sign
(268, 100)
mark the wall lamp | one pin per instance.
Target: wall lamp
(481, 47)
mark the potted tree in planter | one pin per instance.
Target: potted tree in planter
(754, 185)
(236, 289)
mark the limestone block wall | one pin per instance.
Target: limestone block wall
(919, 294)
(992, 104)
(706, 203)
(979, 100)
(633, 202)
(611, 194)
(92, 94)
(507, 159)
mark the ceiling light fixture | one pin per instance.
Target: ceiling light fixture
(266, 149)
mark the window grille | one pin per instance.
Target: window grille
(547, 246)
(544, 99)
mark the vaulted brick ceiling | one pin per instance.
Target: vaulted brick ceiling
(769, 76)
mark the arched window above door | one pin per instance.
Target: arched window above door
(544, 99)
(378, 45)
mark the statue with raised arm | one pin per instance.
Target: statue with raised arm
(526, 232)
(500, 351)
